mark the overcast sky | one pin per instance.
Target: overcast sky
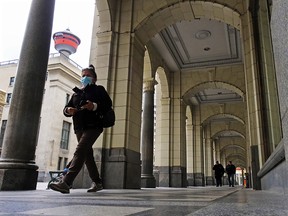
(77, 15)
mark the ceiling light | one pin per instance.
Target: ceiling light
(203, 34)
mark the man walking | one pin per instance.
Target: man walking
(230, 170)
(219, 172)
(85, 107)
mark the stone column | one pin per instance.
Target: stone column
(189, 153)
(162, 145)
(18, 170)
(198, 156)
(147, 131)
(208, 162)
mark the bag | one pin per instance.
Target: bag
(108, 119)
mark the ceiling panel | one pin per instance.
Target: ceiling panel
(198, 43)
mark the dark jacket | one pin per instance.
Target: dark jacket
(85, 119)
(230, 169)
(219, 170)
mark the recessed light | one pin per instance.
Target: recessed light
(202, 34)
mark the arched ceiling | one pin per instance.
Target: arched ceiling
(203, 43)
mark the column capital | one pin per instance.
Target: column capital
(148, 84)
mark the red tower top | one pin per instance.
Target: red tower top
(66, 42)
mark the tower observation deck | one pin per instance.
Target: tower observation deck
(65, 42)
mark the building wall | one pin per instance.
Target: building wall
(62, 76)
(2, 102)
(276, 179)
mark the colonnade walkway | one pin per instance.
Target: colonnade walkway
(145, 202)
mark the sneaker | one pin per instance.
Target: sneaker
(95, 187)
(60, 187)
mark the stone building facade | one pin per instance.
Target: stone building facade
(54, 149)
(2, 103)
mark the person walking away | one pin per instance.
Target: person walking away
(230, 170)
(85, 107)
(219, 172)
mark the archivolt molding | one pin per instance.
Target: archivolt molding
(151, 24)
(217, 129)
(218, 133)
(227, 148)
(224, 116)
(233, 157)
(163, 82)
(226, 141)
(147, 70)
(105, 19)
(212, 85)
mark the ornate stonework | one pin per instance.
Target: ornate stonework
(148, 85)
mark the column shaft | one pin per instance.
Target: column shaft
(147, 131)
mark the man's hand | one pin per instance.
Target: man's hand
(71, 110)
(89, 105)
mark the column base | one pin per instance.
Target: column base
(210, 180)
(190, 179)
(148, 181)
(163, 175)
(121, 169)
(178, 177)
(199, 179)
(18, 176)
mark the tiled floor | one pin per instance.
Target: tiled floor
(159, 201)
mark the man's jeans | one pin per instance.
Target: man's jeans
(231, 180)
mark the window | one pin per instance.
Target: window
(65, 162)
(65, 135)
(8, 98)
(59, 163)
(62, 163)
(2, 131)
(12, 80)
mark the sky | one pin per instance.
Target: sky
(77, 15)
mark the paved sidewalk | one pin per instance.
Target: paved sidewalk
(145, 202)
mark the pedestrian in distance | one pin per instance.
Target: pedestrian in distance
(230, 170)
(218, 172)
(85, 107)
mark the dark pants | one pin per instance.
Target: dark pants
(218, 181)
(231, 179)
(84, 154)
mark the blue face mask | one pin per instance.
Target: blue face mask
(86, 80)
